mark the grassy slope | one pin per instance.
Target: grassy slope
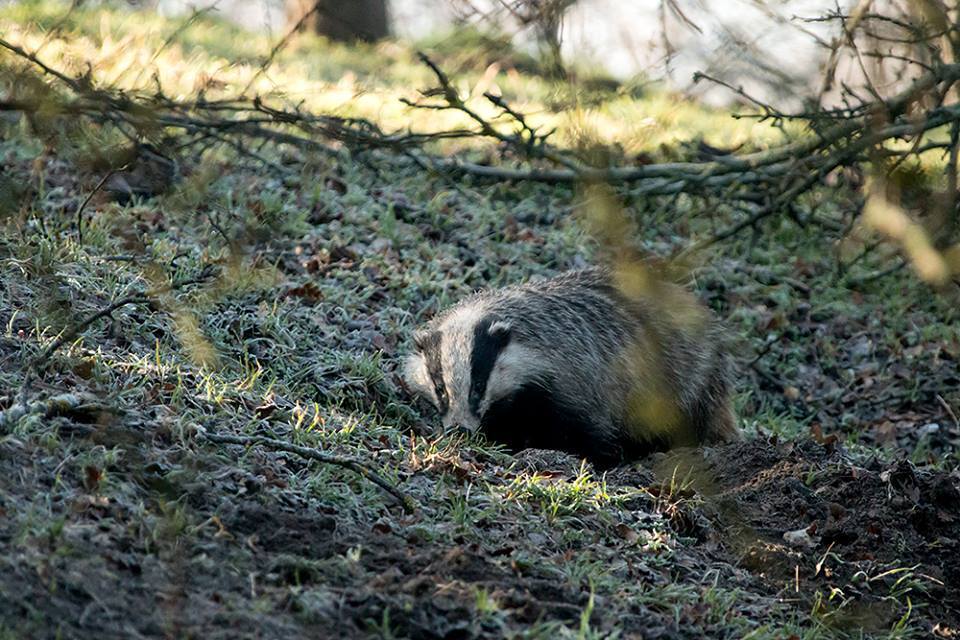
(120, 519)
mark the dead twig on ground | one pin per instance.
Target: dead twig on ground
(93, 192)
(39, 363)
(360, 468)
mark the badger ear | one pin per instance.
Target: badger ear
(421, 339)
(426, 340)
(500, 331)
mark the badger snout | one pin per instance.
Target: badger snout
(465, 424)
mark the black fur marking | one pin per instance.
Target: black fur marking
(487, 346)
(532, 418)
(429, 345)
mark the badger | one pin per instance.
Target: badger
(595, 362)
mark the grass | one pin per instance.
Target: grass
(321, 278)
(137, 52)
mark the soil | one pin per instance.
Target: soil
(243, 555)
(868, 529)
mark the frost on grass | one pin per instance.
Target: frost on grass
(118, 518)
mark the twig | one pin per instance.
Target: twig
(360, 468)
(194, 16)
(86, 201)
(71, 332)
(768, 110)
(281, 44)
(876, 275)
(142, 298)
(534, 146)
(39, 362)
(764, 350)
(950, 410)
(70, 82)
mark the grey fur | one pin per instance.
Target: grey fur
(646, 370)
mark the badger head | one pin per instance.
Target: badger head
(464, 363)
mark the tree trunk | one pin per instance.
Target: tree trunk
(344, 20)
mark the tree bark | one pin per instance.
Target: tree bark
(343, 20)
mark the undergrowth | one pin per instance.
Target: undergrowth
(121, 518)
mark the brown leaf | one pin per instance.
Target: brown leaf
(385, 344)
(84, 368)
(529, 235)
(626, 533)
(816, 432)
(85, 502)
(336, 184)
(265, 410)
(453, 555)
(308, 291)
(92, 477)
(343, 254)
(316, 263)
(886, 432)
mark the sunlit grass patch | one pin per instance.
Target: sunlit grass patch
(557, 496)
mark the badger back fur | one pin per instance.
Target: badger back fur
(581, 364)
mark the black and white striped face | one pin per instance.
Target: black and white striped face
(465, 363)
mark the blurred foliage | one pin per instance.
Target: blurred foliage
(130, 50)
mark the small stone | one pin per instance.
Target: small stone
(800, 538)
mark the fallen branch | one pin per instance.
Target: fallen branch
(361, 469)
(767, 182)
(256, 119)
(708, 173)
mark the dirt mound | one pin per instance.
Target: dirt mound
(863, 537)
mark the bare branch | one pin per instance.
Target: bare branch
(360, 468)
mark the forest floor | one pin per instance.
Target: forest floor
(120, 516)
